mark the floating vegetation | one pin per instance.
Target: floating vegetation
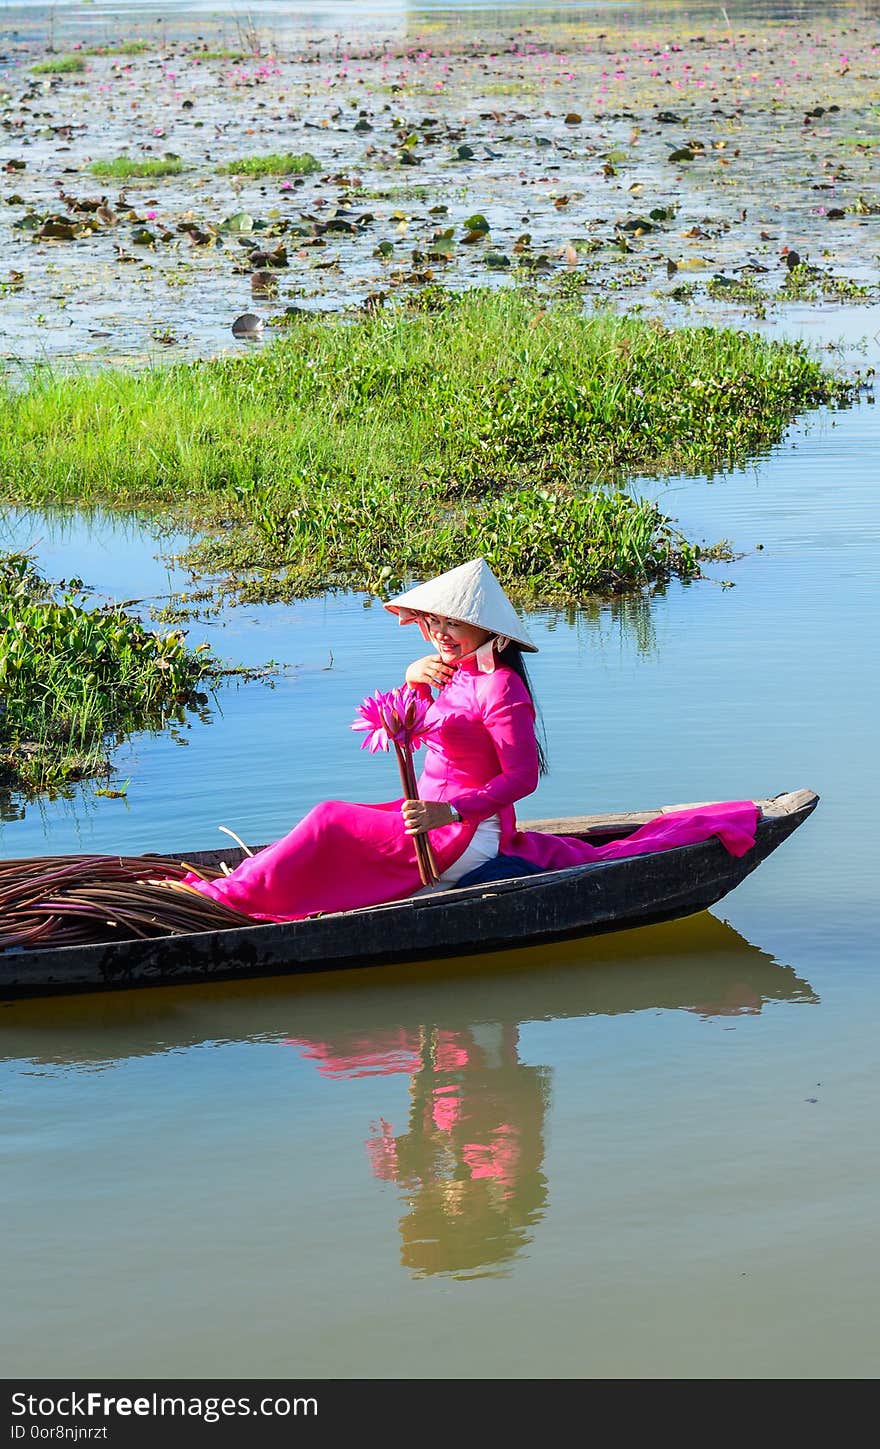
(488, 422)
(805, 283)
(569, 152)
(545, 546)
(122, 47)
(272, 165)
(75, 680)
(59, 65)
(741, 291)
(121, 168)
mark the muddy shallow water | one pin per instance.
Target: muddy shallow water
(559, 129)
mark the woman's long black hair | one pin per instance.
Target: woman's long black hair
(512, 656)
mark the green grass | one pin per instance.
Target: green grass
(509, 88)
(74, 681)
(59, 65)
(365, 451)
(236, 55)
(395, 193)
(123, 47)
(271, 165)
(123, 167)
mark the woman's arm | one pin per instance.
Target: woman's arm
(509, 716)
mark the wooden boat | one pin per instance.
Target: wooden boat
(581, 900)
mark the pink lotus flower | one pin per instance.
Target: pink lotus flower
(397, 717)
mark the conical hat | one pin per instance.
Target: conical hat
(470, 593)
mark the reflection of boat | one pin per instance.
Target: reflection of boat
(581, 900)
(699, 964)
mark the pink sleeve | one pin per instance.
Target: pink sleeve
(509, 716)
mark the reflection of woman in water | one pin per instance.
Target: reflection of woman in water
(470, 1161)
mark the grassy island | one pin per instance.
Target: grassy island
(361, 450)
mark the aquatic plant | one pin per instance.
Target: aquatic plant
(807, 283)
(121, 47)
(276, 164)
(395, 717)
(123, 167)
(59, 65)
(399, 717)
(74, 680)
(739, 291)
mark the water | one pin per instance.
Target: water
(642, 1155)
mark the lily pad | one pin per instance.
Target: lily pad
(276, 258)
(264, 284)
(58, 229)
(241, 221)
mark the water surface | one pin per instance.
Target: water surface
(641, 1155)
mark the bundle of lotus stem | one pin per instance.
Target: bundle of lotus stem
(74, 900)
(399, 717)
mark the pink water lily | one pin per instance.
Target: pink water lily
(399, 718)
(395, 717)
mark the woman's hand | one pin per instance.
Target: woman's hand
(422, 815)
(430, 670)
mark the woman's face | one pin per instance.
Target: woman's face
(452, 639)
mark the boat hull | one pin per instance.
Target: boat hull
(552, 905)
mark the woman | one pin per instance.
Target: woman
(482, 756)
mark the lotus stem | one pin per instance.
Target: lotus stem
(424, 854)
